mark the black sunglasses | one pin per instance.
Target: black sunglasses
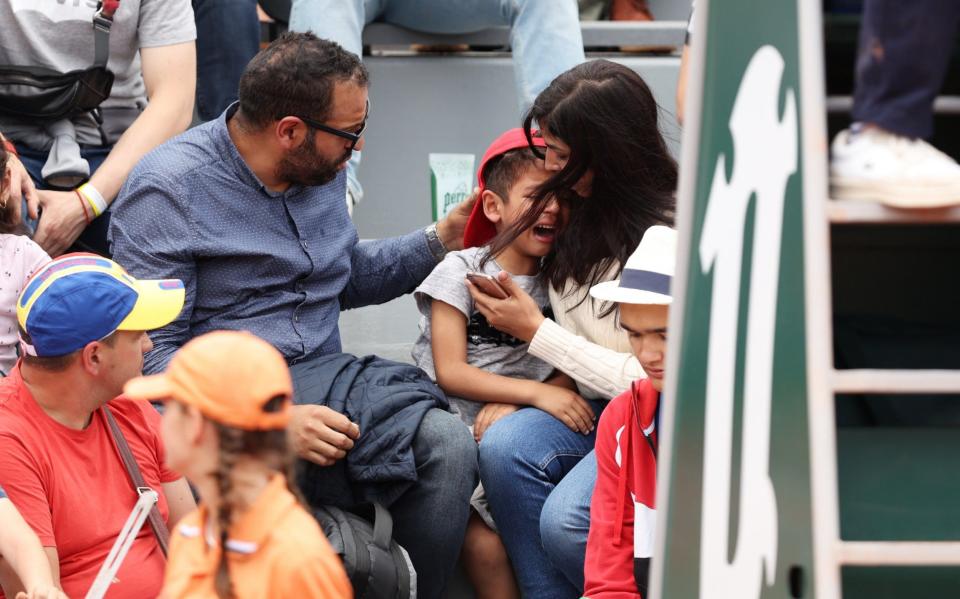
(353, 137)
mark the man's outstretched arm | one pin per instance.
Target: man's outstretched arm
(385, 269)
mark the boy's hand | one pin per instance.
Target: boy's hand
(321, 435)
(489, 414)
(566, 406)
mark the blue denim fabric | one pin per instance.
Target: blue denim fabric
(430, 518)
(545, 34)
(280, 265)
(565, 520)
(904, 54)
(228, 36)
(523, 457)
(94, 237)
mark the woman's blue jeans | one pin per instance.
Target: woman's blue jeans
(539, 489)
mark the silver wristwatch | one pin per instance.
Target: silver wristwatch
(435, 243)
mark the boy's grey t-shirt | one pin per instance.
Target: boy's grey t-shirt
(58, 34)
(487, 348)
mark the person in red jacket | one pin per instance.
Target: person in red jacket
(623, 510)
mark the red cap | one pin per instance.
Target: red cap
(479, 229)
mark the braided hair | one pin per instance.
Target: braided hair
(272, 448)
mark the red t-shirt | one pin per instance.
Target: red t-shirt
(73, 490)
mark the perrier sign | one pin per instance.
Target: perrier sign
(735, 493)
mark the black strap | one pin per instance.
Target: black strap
(139, 485)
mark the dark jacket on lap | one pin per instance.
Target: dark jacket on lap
(387, 400)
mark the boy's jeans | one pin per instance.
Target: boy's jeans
(545, 34)
(525, 459)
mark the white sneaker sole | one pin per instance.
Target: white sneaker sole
(897, 195)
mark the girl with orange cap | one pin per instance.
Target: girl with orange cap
(229, 397)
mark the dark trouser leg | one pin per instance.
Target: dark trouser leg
(430, 518)
(228, 36)
(903, 58)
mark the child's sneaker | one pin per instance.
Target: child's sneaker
(876, 165)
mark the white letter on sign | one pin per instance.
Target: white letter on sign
(765, 154)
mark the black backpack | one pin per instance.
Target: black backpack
(377, 566)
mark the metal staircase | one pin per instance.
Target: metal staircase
(856, 552)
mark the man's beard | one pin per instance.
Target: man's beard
(305, 166)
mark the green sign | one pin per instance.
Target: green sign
(735, 501)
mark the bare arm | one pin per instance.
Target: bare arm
(169, 74)
(179, 500)
(560, 379)
(26, 565)
(602, 370)
(456, 377)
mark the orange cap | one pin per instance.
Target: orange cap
(228, 375)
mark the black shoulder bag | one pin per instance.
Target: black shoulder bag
(39, 93)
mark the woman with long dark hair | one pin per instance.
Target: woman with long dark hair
(615, 178)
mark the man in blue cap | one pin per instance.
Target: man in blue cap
(83, 323)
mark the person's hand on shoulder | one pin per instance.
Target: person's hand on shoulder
(63, 219)
(450, 229)
(321, 435)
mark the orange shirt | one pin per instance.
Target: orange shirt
(71, 487)
(275, 549)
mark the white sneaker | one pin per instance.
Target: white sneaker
(876, 165)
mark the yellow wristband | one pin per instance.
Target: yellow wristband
(90, 193)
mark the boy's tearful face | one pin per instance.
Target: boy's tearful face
(537, 241)
(646, 326)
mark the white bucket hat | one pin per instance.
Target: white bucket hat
(647, 274)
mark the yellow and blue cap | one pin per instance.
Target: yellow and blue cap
(80, 298)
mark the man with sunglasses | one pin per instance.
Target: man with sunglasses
(247, 210)
(545, 37)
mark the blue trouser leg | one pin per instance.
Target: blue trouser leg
(94, 237)
(565, 520)
(904, 53)
(430, 518)
(228, 36)
(523, 457)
